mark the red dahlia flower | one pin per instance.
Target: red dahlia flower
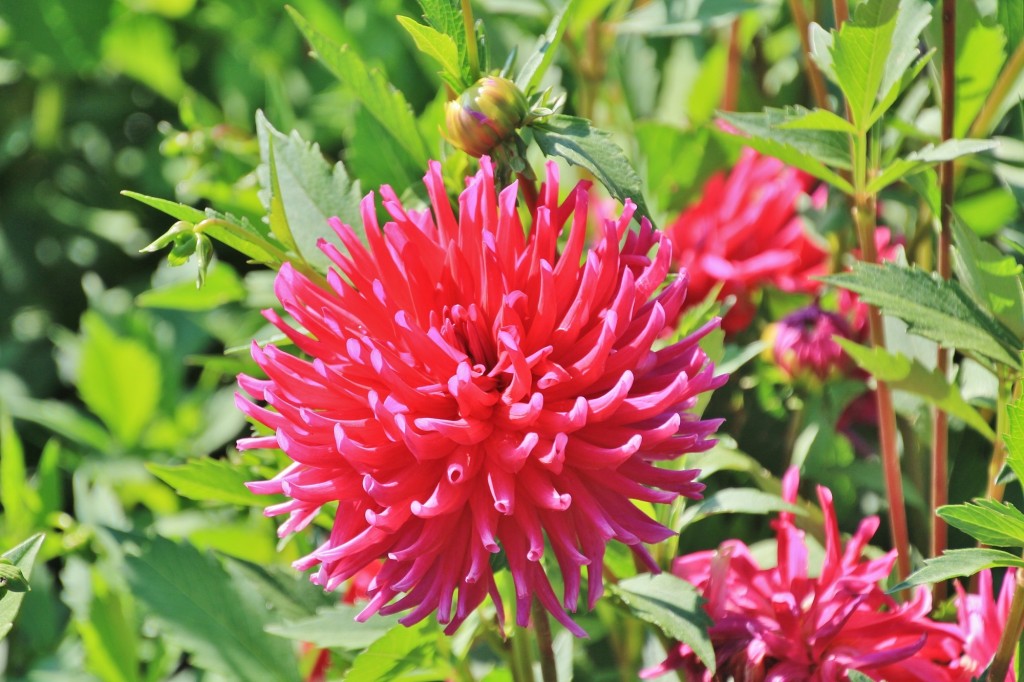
(803, 345)
(745, 233)
(472, 390)
(783, 624)
(981, 619)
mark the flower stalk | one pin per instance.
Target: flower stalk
(940, 420)
(814, 77)
(542, 626)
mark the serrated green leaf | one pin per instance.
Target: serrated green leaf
(818, 119)
(999, 524)
(906, 374)
(536, 64)
(807, 150)
(380, 99)
(672, 605)
(400, 650)
(1014, 437)
(574, 140)
(309, 191)
(439, 47)
(924, 158)
(907, 77)
(446, 17)
(932, 307)
(991, 277)
(119, 379)
(336, 627)
(209, 480)
(23, 557)
(864, 60)
(957, 563)
(198, 605)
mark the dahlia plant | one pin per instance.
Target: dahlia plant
(591, 359)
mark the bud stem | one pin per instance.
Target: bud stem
(474, 57)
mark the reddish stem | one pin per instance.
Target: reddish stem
(732, 72)
(813, 74)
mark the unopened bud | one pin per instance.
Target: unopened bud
(803, 347)
(485, 115)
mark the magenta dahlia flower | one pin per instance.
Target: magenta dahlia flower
(981, 619)
(468, 389)
(803, 344)
(784, 623)
(744, 232)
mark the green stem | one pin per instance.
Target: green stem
(818, 89)
(277, 254)
(474, 57)
(1011, 634)
(542, 626)
(995, 490)
(522, 662)
(940, 420)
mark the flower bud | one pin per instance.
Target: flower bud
(485, 115)
(803, 346)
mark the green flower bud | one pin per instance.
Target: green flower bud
(485, 115)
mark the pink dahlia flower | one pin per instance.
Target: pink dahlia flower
(471, 390)
(803, 345)
(745, 233)
(783, 624)
(981, 619)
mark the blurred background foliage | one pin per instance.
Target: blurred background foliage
(112, 365)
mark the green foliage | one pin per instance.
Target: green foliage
(937, 309)
(440, 47)
(992, 278)
(402, 138)
(989, 522)
(403, 654)
(579, 143)
(908, 374)
(737, 501)
(1014, 437)
(209, 480)
(335, 627)
(119, 380)
(957, 563)
(217, 620)
(22, 558)
(673, 606)
(301, 191)
(536, 65)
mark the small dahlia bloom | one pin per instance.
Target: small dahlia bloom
(744, 232)
(467, 388)
(981, 619)
(803, 344)
(783, 623)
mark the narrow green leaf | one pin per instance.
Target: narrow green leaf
(309, 191)
(907, 374)
(932, 307)
(536, 65)
(64, 420)
(673, 606)
(912, 17)
(209, 480)
(574, 140)
(999, 524)
(991, 277)
(23, 557)
(371, 88)
(171, 208)
(13, 478)
(1014, 437)
(109, 635)
(439, 47)
(819, 119)
(957, 563)
(336, 627)
(924, 158)
(219, 622)
(1010, 14)
(889, 96)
